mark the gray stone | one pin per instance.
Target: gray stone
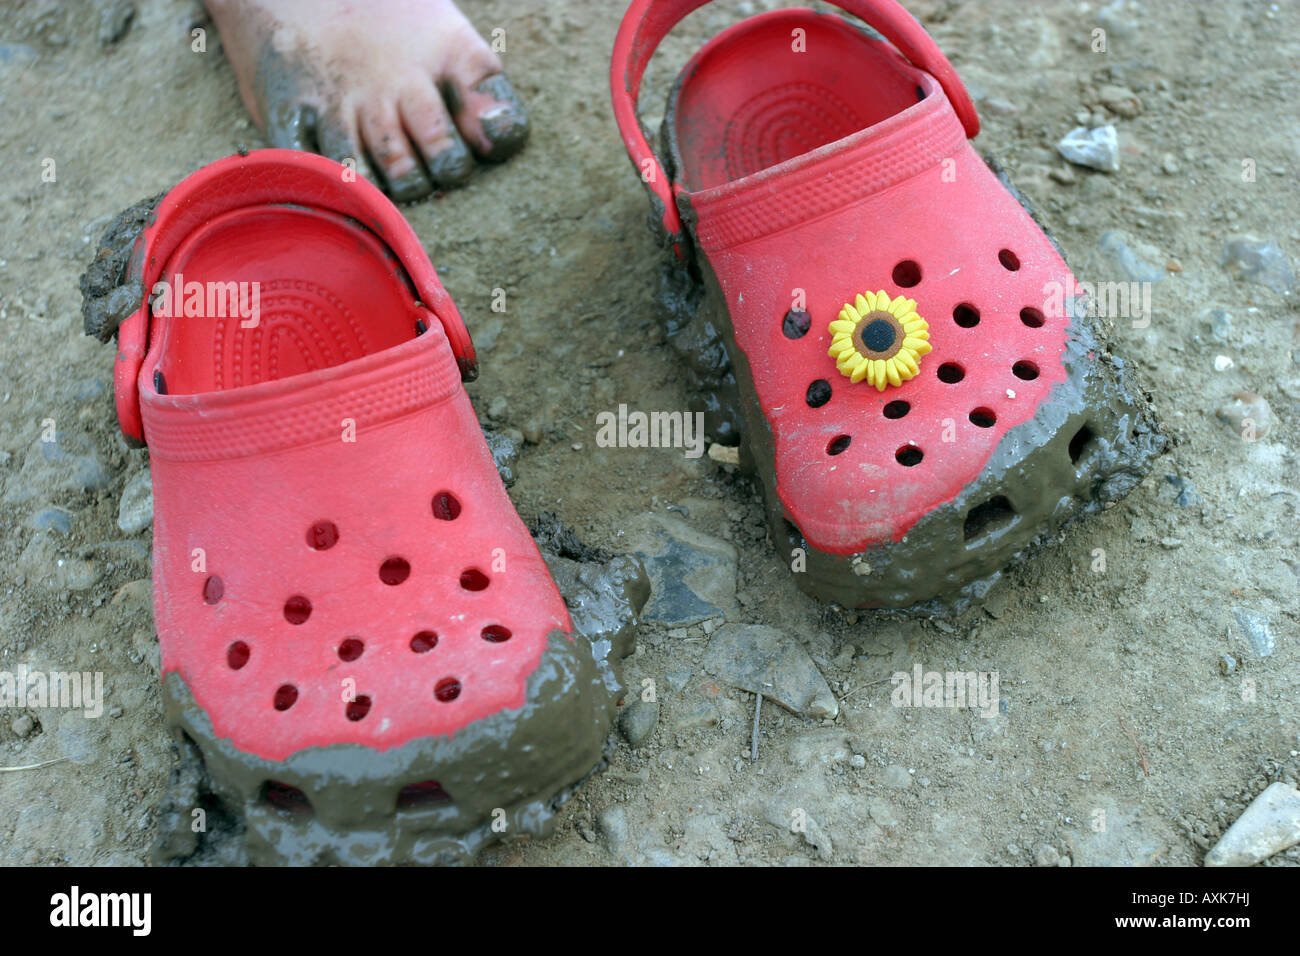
(764, 660)
(1182, 491)
(1138, 261)
(638, 720)
(692, 574)
(1046, 855)
(42, 562)
(896, 777)
(68, 463)
(1255, 626)
(1113, 20)
(18, 54)
(487, 332)
(1094, 148)
(23, 725)
(53, 519)
(1219, 324)
(115, 18)
(613, 827)
(135, 509)
(498, 408)
(677, 680)
(1270, 825)
(1260, 262)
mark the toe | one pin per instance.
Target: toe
(382, 133)
(339, 138)
(290, 125)
(487, 111)
(446, 157)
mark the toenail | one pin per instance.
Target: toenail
(452, 166)
(505, 123)
(410, 185)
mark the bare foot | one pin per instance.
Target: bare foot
(407, 84)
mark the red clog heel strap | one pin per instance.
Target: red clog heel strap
(647, 22)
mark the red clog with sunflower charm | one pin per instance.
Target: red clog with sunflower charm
(919, 407)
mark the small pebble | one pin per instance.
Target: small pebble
(1094, 148)
(23, 725)
(1259, 261)
(1046, 855)
(1248, 414)
(1120, 100)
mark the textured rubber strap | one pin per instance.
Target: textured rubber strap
(647, 22)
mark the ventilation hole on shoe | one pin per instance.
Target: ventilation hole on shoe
(213, 589)
(909, 455)
(983, 418)
(907, 273)
(237, 655)
(839, 445)
(1032, 317)
(394, 570)
(421, 327)
(819, 393)
(424, 642)
(421, 794)
(159, 383)
(357, 709)
(322, 536)
(472, 579)
(447, 689)
(796, 324)
(285, 798)
(897, 409)
(297, 609)
(1079, 443)
(967, 316)
(286, 695)
(351, 649)
(1010, 261)
(951, 373)
(1026, 370)
(446, 507)
(993, 514)
(920, 94)
(496, 634)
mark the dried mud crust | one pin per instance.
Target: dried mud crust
(1088, 445)
(434, 800)
(106, 297)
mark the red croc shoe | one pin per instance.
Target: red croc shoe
(358, 634)
(921, 393)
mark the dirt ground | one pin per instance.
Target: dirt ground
(1140, 714)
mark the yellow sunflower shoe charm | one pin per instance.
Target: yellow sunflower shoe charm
(879, 339)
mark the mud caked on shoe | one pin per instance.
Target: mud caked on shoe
(359, 638)
(922, 396)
